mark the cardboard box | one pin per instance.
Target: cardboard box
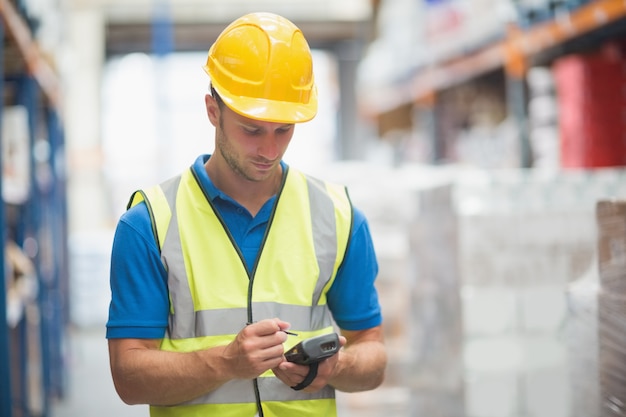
(611, 221)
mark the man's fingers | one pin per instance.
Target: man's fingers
(268, 327)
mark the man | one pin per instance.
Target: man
(211, 268)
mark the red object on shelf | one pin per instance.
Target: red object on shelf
(591, 91)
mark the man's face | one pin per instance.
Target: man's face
(251, 148)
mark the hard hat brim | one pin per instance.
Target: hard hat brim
(270, 110)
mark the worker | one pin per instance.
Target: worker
(219, 270)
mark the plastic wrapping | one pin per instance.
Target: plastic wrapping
(591, 101)
(611, 220)
(612, 353)
(436, 312)
(582, 344)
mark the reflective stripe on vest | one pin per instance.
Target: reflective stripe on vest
(213, 296)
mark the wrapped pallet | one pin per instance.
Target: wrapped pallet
(582, 337)
(591, 106)
(611, 220)
(437, 387)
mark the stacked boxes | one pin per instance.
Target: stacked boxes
(436, 315)
(582, 344)
(532, 12)
(611, 219)
(476, 284)
(543, 119)
(524, 236)
(592, 103)
(453, 27)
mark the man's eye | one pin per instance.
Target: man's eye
(252, 132)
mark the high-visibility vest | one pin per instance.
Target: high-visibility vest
(213, 296)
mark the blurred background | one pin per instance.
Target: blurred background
(484, 139)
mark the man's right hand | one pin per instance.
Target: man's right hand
(257, 348)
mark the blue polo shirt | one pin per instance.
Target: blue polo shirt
(139, 305)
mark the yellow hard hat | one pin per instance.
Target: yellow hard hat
(262, 68)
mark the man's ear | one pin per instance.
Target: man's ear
(212, 109)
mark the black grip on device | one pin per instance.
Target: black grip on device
(308, 378)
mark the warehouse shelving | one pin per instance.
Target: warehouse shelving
(35, 62)
(510, 52)
(36, 225)
(517, 47)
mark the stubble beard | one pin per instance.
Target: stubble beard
(230, 156)
(225, 148)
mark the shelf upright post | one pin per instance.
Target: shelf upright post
(426, 113)
(347, 53)
(57, 293)
(515, 67)
(28, 233)
(162, 36)
(5, 377)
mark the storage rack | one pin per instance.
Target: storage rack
(37, 225)
(513, 53)
(518, 47)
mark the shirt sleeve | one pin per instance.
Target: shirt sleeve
(353, 298)
(139, 305)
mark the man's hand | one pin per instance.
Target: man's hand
(292, 374)
(257, 348)
(358, 366)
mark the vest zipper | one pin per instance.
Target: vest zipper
(255, 382)
(257, 393)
